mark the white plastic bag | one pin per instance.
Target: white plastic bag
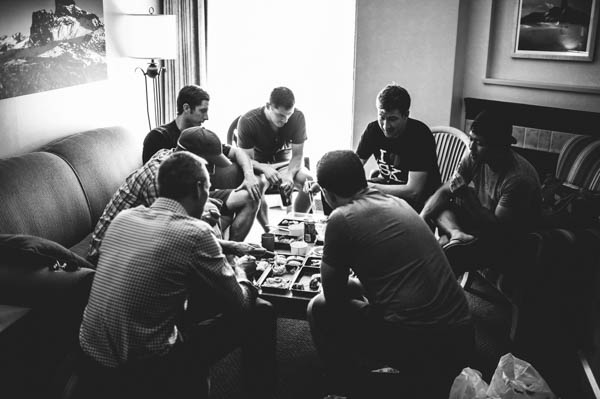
(468, 385)
(516, 379)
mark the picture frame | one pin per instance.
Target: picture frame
(42, 50)
(556, 29)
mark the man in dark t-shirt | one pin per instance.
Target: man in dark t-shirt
(268, 134)
(241, 194)
(406, 309)
(403, 147)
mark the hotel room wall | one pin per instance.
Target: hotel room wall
(503, 66)
(416, 45)
(29, 121)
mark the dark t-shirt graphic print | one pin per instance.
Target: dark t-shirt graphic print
(390, 168)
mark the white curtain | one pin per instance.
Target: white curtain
(190, 65)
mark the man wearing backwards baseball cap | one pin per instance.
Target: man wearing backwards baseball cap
(141, 188)
(493, 196)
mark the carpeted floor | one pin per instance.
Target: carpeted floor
(301, 373)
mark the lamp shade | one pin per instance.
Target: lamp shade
(150, 36)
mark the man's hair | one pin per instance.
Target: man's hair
(393, 97)
(341, 172)
(192, 95)
(282, 97)
(179, 174)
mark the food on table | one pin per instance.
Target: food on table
(280, 260)
(314, 262)
(276, 282)
(317, 251)
(288, 222)
(292, 265)
(261, 266)
(278, 270)
(298, 286)
(315, 282)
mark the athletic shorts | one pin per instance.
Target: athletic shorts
(222, 195)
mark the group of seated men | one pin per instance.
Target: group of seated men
(170, 297)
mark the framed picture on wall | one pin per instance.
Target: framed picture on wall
(46, 49)
(556, 29)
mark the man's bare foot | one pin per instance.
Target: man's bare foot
(460, 236)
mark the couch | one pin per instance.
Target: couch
(56, 193)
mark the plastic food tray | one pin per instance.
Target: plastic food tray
(303, 277)
(289, 276)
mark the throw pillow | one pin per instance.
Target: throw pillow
(32, 251)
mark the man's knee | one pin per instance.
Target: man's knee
(316, 309)
(263, 183)
(264, 310)
(300, 177)
(241, 200)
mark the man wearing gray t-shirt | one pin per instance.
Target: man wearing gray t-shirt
(493, 197)
(405, 308)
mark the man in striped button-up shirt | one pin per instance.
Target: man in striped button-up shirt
(152, 260)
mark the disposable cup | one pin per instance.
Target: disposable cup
(299, 248)
(267, 241)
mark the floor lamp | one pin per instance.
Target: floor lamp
(153, 37)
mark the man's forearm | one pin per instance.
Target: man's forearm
(245, 162)
(259, 167)
(294, 166)
(225, 246)
(439, 201)
(397, 190)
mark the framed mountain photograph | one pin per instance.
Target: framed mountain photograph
(45, 49)
(556, 29)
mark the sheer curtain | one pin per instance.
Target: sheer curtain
(306, 45)
(190, 65)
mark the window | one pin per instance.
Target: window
(306, 45)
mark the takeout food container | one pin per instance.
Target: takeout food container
(288, 222)
(312, 261)
(301, 283)
(296, 230)
(316, 251)
(278, 277)
(284, 241)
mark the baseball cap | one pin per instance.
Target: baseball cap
(494, 127)
(205, 144)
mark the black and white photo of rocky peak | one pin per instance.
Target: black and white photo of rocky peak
(64, 47)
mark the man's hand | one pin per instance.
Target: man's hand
(271, 174)
(311, 187)
(247, 264)
(237, 248)
(251, 185)
(287, 184)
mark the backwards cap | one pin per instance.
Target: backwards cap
(495, 128)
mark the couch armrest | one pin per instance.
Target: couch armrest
(41, 287)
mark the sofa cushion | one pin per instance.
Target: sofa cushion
(31, 251)
(101, 159)
(82, 247)
(41, 196)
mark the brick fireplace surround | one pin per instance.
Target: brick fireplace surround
(540, 131)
